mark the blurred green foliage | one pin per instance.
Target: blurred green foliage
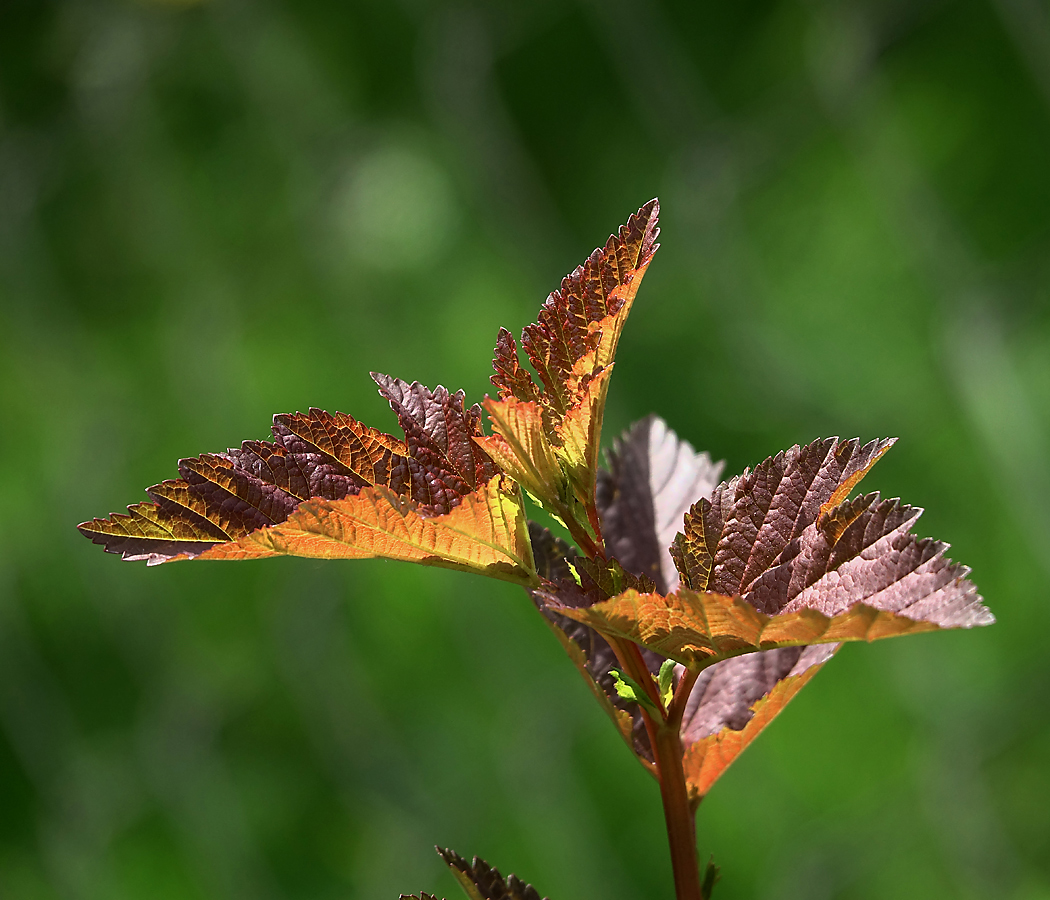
(211, 213)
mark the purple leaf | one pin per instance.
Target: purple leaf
(222, 497)
(654, 478)
(725, 693)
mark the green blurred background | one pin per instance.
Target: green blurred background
(211, 213)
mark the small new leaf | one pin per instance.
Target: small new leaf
(629, 689)
(665, 681)
(712, 874)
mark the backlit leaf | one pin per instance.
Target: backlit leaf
(328, 486)
(553, 428)
(525, 453)
(486, 532)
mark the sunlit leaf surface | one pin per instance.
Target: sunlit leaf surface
(807, 567)
(328, 486)
(547, 434)
(774, 559)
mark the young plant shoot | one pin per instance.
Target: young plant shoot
(695, 608)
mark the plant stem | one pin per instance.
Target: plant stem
(583, 540)
(676, 709)
(630, 659)
(666, 742)
(680, 818)
(596, 524)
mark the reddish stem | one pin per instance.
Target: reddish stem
(668, 753)
(678, 814)
(664, 737)
(596, 525)
(629, 662)
(676, 710)
(583, 540)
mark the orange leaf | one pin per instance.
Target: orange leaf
(485, 533)
(700, 629)
(330, 487)
(571, 347)
(521, 447)
(711, 745)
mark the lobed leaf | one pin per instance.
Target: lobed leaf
(782, 566)
(579, 325)
(485, 533)
(330, 487)
(547, 434)
(733, 537)
(831, 570)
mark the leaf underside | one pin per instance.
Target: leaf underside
(328, 486)
(734, 700)
(653, 479)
